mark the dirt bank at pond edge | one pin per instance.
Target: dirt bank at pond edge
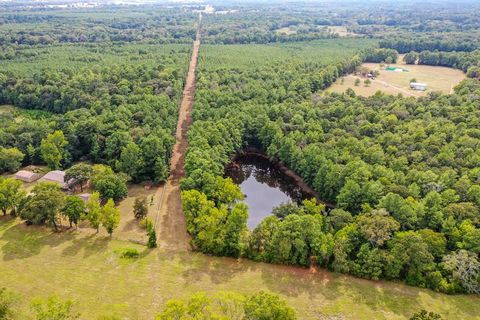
(285, 170)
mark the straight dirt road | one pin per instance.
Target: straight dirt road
(170, 221)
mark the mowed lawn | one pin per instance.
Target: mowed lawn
(35, 262)
(437, 79)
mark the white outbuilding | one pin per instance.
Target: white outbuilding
(418, 86)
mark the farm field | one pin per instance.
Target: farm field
(441, 79)
(37, 262)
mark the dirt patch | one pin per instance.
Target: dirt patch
(170, 220)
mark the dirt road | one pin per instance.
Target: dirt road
(170, 220)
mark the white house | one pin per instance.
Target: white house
(418, 86)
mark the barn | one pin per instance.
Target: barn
(56, 176)
(27, 176)
(418, 86)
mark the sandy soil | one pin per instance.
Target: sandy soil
(170, 220)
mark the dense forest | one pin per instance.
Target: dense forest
(402, 172)
(96, 92)
(153, 25)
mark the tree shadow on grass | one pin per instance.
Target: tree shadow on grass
(91, 244)
(22, 241)
(218, 269)
(382, 297)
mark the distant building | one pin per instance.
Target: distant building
(56, 176)
(27, 176)
(418, 86)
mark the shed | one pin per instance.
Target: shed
(418, 86)
(56, 176)
(85, 196)
(27, 176)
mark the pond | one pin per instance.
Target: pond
(264, 185)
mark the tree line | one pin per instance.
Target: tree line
(468, 62)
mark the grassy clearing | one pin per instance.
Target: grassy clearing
(89, 269)
(437, 78)
(342, 31)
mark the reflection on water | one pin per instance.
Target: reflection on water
(264, 186)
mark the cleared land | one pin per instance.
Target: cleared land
(37, 262)
(437, 79)
(170, 222)
(342, 31)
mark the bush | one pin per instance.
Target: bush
(129, 253)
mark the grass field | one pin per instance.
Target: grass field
(437, 78)
(35, 262)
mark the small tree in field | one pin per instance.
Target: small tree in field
(357, 82)
(74, 209)
(152, 238)
(367, 82)
(413, 80)
(140, 208)
(94, 211)
(110, 216)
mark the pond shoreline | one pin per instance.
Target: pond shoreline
(257, 152)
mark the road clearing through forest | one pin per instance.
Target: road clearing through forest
(170, 221)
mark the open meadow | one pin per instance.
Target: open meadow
(36, 262)
(441, 79)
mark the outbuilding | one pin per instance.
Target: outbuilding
(418, 86)
(56, 176)
(27, 176)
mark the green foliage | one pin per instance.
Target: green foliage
(140, 207)
(425, 315)
(151, 233)
(74, 209)
(10, 195)
(78, 174)
(53, 149)
(43, 204)
(10, 159)
(110, 216)
(6, 304)
(54, 309)
(266, 306)
(109, 184)
(228, 305)
(380, 55)
(129, 253)
(94, 211)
